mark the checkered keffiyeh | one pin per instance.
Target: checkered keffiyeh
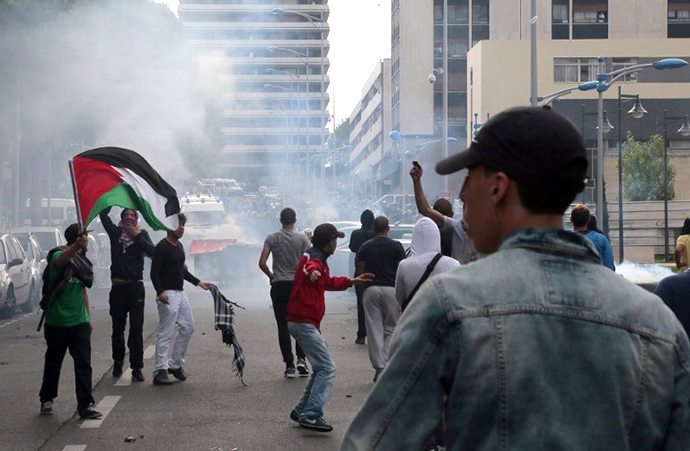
(224, 319)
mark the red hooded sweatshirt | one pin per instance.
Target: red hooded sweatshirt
(307, 302)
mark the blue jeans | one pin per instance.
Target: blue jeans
(323, 369)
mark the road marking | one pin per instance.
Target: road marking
(150, 351)
(105, 406)
(125, 379)
(74, 448)
(14, 320)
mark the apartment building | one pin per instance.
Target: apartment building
(271, 57)
(374, 168)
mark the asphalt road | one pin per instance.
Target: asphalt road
(209, 411)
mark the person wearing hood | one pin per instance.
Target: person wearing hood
(682, 252)
(425, 247)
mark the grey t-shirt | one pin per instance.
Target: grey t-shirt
(287, 247)
(463, 246)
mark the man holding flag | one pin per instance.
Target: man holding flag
(112, 176)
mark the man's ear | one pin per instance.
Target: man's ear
(499, 187)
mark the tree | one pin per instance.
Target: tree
(643, 169)
(341, 135)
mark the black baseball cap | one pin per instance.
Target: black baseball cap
(534, 146)
(324, 233)
(72, 233)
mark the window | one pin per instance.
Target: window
(574, 70)
(622, 63)
(560, 13)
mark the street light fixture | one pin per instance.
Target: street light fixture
(637, 112)
(606, 124)
(603, 82)
(684, 130)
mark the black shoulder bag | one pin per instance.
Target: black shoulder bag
(425, 276)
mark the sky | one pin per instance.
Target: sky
(359, 38)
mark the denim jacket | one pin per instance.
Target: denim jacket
(537, 346)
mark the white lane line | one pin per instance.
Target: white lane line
(74, 448)
(125, 379)
(150, 351)
(15, 320)
(105, 407)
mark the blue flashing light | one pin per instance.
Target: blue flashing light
(669, 63)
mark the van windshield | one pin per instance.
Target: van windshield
(205, 218)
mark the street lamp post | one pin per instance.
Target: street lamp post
(603, 82)
(684, 130)
(636, 112)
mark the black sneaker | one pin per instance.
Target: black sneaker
(290, 372)
(377, 374)
(90, 414)
(47, 408)
(179, 373)
(161, 378)
(137, 375)
(315, 424)
(302, 369)
(117, 369)
(360, 341)
(294, 416)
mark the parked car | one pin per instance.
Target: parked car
(38, 262)
(47, 237)
(98, 253)
(15, 277)
(342, 262)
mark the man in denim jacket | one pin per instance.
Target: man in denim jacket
(537, 346)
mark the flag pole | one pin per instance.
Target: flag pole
(76, 198)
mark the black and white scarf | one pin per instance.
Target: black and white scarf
(224, 319)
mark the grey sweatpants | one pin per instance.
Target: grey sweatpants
(381, 312)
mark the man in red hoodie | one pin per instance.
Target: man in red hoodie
(305, 311)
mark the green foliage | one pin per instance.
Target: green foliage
(342, 134)
(643, 170)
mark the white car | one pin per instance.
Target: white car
(37, 260)
(15, 277)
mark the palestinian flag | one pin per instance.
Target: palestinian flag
(111, 176)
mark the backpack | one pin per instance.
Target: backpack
(47, 289)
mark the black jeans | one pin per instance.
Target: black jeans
(128, 299)
(280, 295)
(78, 340)
(361, 324)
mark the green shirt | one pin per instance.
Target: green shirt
(67, 308)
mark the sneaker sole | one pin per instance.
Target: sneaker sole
(47, 412)
(303, 374)
(312, 427)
